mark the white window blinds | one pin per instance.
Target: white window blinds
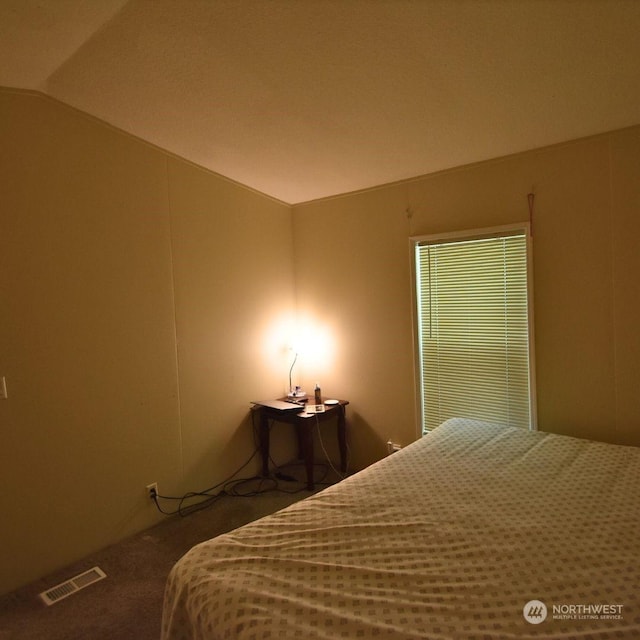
(473, 330)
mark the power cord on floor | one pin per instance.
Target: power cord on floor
(241, 487)
(208, 497)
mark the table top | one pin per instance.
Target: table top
(303, 413)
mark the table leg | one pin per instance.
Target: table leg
(342, 438)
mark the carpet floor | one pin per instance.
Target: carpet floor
(128, 603)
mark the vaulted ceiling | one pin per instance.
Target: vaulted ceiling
(303, 99)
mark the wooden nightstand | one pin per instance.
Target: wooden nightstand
(304, 423)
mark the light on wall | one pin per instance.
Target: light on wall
(312, 349)
(302, 349)
(277, 343)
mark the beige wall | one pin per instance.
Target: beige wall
(135, 302)
(145, 301)
(354, 271)
(232, 257)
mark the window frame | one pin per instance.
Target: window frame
(466, 235)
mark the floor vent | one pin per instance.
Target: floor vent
(71, 586)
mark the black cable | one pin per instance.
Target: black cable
(232, 488)
(160, 509)
(205, 493)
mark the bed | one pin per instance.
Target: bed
(474, 531)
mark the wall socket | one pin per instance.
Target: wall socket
(152, 490)
(392, 447)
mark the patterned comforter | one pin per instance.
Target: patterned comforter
(474, 531)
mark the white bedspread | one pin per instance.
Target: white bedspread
(448, 538)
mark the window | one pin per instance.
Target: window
(473, 327)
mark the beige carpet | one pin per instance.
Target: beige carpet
(128, 603)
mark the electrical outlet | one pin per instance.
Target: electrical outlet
(152, 490)
(392, 447)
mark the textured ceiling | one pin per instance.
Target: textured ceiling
(302, 99)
